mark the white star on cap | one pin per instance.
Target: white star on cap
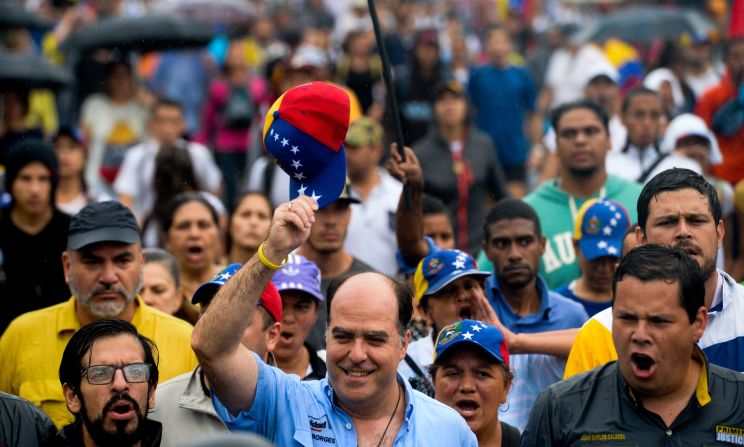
(459, 264)
(315, 197)
(613, 208)
(276, 136)
(284, 142)
(612, 250)
(225, 276)
(296, 164)
(607, 231)
(299, 176)
(618, 215)
(302, 189)
(294, 150)
(602, 244)
(476, 328)
(613, 222)
(467, 335)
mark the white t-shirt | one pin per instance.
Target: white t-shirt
(631, 164)
(279, 188)
(371, 233)
(565, 72)
(112, 129)
(422, 352)
(700, 83)
(136, 175)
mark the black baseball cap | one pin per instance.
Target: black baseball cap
(108, 221)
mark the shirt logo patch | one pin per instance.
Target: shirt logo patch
(603, 437)
(318, 424)
(321, 430)
(731, 435)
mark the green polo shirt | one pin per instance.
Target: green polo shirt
(597, 408)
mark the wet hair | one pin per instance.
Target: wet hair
(431, 205)
(81, 343)
(652, 262)
(676, 179)
(637, 91)
(511, 209)
(182, 199)
(168, 260)
(557, 113)
(403, 294)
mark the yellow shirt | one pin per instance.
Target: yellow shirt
(31, 350)
(593, 345)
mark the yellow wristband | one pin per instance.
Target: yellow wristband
(269, 265)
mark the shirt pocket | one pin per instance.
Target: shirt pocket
(47, 394)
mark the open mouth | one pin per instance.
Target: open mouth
(194, 252)
(465, 313)
(467, 407)
(287, 336)
(122, 410)
(643, 365)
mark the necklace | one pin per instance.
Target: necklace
(395, 410)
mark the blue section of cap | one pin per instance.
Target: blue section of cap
(206, 291)
(445, 266)
(326, 187)
(297, 153)
(478, 333)
(602, 230)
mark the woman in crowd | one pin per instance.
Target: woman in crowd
(474, 379)
(191, 233)
(248, 226)
(161, 281)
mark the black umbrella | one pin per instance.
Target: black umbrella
(14, 15)
(645, 25)
(27, 71)
(156, 32)
(222, 12)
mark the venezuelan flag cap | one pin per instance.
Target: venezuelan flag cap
(304, 134)
(600, 228)
(441, 268)
(487, 337)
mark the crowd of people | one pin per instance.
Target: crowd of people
(552, 258)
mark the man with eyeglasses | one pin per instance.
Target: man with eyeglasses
(109, 373)
(103, 266)
(641, 158)
(583, 141)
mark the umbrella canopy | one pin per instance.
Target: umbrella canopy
(14, 15)
(27, 71)
(215, 12)
(645, 25)
(156, 32)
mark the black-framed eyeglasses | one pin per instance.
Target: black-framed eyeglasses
(104, 374)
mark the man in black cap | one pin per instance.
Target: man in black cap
(103, 267)
(32, 233)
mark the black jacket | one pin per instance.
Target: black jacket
(72, 435)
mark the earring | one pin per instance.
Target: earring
(507, 408)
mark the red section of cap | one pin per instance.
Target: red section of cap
(271, 301)
(320, 110)
(504, 352)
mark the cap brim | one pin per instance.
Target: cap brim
(589, 249)
(315, 294)
(325, 187)
(436, 287)
(105, 234)
(205, 292)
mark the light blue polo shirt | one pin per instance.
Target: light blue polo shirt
(533, 372)
(290, 412)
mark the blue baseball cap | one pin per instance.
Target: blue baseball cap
(300, 274)
(483, 335)
(600, 227)
(270, 299)
(441, 268)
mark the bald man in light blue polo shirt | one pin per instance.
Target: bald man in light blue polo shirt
(362, 401)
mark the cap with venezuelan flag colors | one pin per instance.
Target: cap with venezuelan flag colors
(441, 268)
(483, 335)
(304, 134)
(600, 227)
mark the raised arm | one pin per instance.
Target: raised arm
(230, 367)
(409, 223)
